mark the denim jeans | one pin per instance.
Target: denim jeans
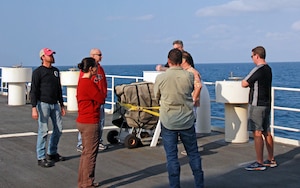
(101, 125)
(195, 112)
(189, 140)
(45, 111)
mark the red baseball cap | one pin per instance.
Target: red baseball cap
(46, 51)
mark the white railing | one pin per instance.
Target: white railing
(213, 101)
(283, 108)
(116, 80)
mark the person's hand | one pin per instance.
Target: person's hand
(161, 68)
(196, 103)
(63, 111)
(158, 67)
(34, 113)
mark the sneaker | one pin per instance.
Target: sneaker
(269, 163)
(45, 163)
(96, 184)
(102, 147)
(79, 148)
(55, 157)
(256, 166)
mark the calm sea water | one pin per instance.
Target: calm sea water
(284, 75)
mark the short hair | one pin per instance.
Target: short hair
(93, 50)
(86, 63)
(175, 56)
(186, 55)
(178, 42)
(260, 51)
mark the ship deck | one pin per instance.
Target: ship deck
(223, 163)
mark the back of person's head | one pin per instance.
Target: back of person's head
(86, 63)
(260, 51)
(187, 56)
(175, 56)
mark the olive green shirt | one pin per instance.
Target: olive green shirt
(173, 89)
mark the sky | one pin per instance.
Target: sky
(142, 31)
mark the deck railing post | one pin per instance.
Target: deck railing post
(272, 111)
(112, 94)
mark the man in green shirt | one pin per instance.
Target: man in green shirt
(174, 90)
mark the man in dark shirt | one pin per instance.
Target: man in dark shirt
(45, 95)
(260, 82)
(178, 44)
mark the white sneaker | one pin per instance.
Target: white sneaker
(102, 147)
(79, 148)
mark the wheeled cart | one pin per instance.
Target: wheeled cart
(136, 115)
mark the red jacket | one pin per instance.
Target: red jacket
(89, 99)
(99, 79)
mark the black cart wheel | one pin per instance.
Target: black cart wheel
(131, 141)
(111, 137)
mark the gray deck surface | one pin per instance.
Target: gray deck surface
(140, 167)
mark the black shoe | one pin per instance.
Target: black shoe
(55, 157)
(45, 163)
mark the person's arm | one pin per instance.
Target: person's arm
(250, 79)
(34, 90)
(95, 93)
(197, 89)
(34, 113)
(61, 100)
(33, 95)
(245, 83)
(156, 91)
(160, 68)
(102, 81)
(196, 95)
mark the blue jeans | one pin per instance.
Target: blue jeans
(45, 111)
(195, 112)
(189, 140)
(101, 125)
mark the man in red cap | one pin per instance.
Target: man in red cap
(45, 95)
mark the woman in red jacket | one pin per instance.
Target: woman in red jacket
(89, 99)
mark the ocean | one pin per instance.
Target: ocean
(285, 74)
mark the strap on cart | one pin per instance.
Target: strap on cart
(141, 108)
